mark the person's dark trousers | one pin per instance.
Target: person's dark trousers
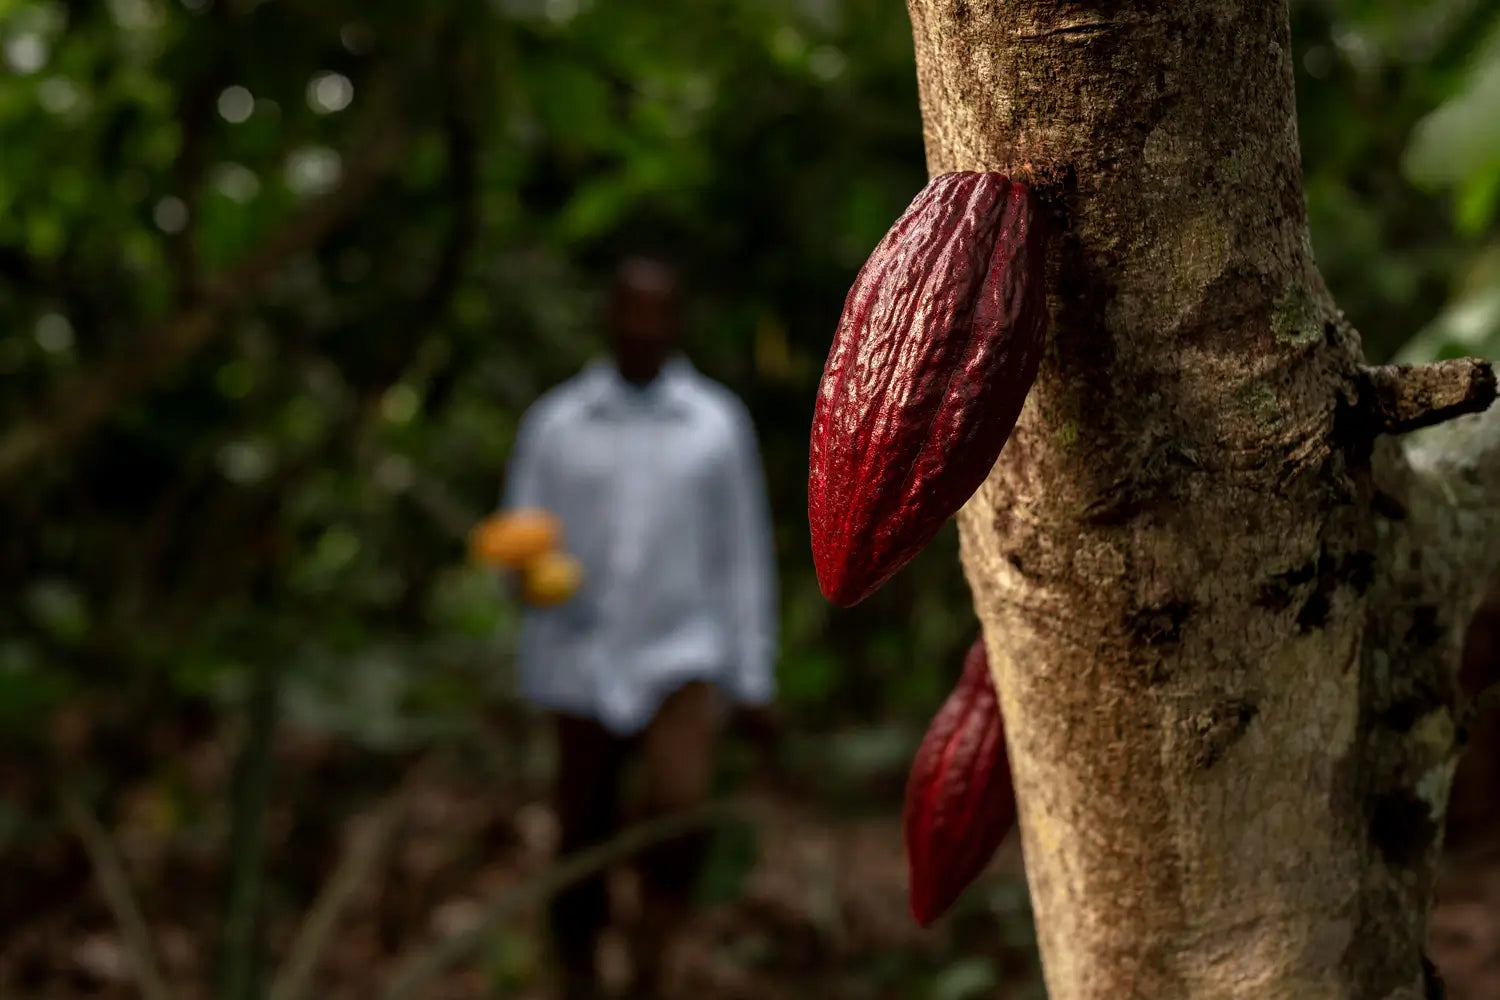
(586, 797)
(678, 751)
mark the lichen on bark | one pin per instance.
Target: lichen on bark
(1224, 659)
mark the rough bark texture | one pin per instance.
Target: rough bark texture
(1222, 614)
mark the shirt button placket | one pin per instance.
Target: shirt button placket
(628, 513)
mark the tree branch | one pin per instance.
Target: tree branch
(353, 870)
(117, 894)
(1404, 398)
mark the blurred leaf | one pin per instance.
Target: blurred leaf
(967, 978)
(27, 695)
(1477, 202)
(58, 607)
(733, 854)
(808, 678)
(1470, 327)
(511, 960)
(596, 208)
(467, 600)
(573, 103)
(1461, 137)
(871, 750)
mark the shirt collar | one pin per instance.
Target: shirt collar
(667, 393)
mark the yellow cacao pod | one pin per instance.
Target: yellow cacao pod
(511, 539)
(551, 579)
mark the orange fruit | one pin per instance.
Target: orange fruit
(514, 538)
(550, 579)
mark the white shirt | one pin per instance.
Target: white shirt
(661, 497)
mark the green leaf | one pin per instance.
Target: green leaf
(45, 234)
(732, 857)
(1477, 201)
(27, 695)
(596, 208)
(809, 678)
(1470, 326)
(1460, 139)
(58, 607)
(971, 977)
(574, 104)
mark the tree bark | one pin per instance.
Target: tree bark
(1223, 607)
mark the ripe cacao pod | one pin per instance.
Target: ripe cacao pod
(938, 345)
(960, 803)
(511, 539)
(551, 579)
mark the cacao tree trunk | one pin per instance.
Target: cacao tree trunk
(1223, 604)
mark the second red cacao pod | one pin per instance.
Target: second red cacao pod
(960, 802)
(938, 345)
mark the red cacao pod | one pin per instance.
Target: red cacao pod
(960, 803)
(938, 345)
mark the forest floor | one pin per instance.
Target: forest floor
(819, 909)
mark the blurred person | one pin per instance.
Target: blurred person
(654, 472)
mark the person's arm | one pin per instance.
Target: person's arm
(751, 567)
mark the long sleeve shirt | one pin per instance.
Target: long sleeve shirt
(661, 497)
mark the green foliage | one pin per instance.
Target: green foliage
(288, 481)
(973, 977)
(1402, 165)
(733, 854)
(309, 463)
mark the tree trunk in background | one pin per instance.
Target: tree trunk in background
(1224, 615)
(1473, 813)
